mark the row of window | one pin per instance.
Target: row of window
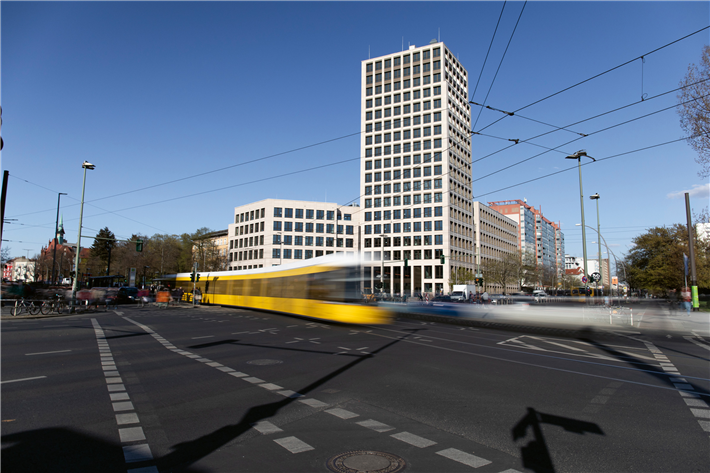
(249, 215)
(404, 214)
(319, 227)
(404, 59)
(403, 187)
(402, 161)
(407, 173)
(406, 97)
(403, 135)
(403, 85)
(415, 199)
(403, 148)
(246, 242)
(405, 109)
(280, 212)
(313, 241)
(246, 255)
(416, 240)
(403, 72)
(251, 228)
(401, 122)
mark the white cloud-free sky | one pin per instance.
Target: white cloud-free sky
(160, 94)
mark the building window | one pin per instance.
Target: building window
(277, 226)
(277, 212)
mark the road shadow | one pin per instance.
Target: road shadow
(535, 454)
(185, 454)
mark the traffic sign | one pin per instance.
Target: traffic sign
(584, 278)
(596, 277)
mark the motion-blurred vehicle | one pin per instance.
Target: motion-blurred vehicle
(127, 295)
(540, 296)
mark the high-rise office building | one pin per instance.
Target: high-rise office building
(415, 172)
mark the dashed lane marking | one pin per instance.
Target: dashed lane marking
(463, 457)
(313, 403)
(47, 352)
(23, 379)
(412, 439)
(266, 428)
(375, 425)
(293, 444)
(342, 413)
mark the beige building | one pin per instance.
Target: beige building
(496, 235)
(415, 170)
(277, 231)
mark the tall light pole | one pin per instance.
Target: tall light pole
(601, 266)
(86, 165)
(56, 230)
(382, 266)
(578, 156)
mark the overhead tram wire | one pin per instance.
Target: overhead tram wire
(597, 75)
(489, 49)
(500, 63)
(584, 164)
(590, 134)
(585, 120)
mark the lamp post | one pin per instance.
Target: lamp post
(382, 265)
(595, 197)
(578, 156)
(86, 165)
(616, 261)
(56, 230)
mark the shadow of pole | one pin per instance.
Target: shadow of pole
(187, 453)
(535, 454)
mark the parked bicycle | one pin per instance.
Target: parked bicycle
(24, 306)
(56, 305)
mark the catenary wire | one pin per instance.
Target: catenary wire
(489, 49)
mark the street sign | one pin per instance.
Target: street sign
(596, 277)
(584, 278)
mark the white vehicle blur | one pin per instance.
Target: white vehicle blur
(540, 296)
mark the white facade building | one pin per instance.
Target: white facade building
(23, 270)
(495, 235)
(276, 231)
(415, 171)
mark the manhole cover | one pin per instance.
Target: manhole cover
(365, 461)
(264, 362)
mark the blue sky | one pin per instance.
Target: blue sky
(155, 93)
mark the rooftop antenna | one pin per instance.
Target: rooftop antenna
(439, 36)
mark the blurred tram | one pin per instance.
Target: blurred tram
(323, 288)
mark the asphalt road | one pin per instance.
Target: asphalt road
(216, 389)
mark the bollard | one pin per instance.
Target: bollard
(632, 316)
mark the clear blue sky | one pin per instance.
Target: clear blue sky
(158, 92)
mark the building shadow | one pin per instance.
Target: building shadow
(535, 454)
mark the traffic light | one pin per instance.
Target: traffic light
(443, 259)
(197, 277)
(139, 245)
(192, 276)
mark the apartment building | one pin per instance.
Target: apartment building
(495, 236)
(415, 174)
(536, 234)
(272, 232)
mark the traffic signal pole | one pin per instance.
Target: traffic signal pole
(691, 249)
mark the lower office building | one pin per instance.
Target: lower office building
(496, 236)
(272, 232)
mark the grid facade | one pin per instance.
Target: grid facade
(496, 236)
(276, 231)
(415, 170)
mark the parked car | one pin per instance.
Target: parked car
(127, 295)
(458, 296)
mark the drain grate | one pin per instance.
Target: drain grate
(264, 362)
(365, 461)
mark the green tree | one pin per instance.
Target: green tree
(461, 276)
(528, 272)
(103, 246)
(655, 262)
(695, 114)
(503, 271)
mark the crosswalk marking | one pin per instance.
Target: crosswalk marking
(412, 439)
(463, 457)
(293, 444)
(266, 428)
(342, 413)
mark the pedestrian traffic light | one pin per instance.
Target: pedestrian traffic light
(443, 259)
(139, 245)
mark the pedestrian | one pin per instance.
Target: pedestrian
(685, 294)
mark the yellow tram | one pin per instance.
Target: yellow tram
(324, 288)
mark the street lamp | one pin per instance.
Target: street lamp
(595, 197)
(86, 165)
(578, 156)
(56, 230)
(382, 265)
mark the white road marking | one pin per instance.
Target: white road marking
(266, 428)
(131, 418)
(376, 426)
(293, 445)
(412, 439)
(690, 339)
(123, 406)
(463, 457)
(214, 364)
(702, 413)
(116, 387)
(271, 386)
(47, 352)
(114, 380)
(131, 434)
(119, 396)
(313, 403)
(238, 374)
(206, 336)
(705, 425)
(254, 380)
(695, 403)
(226, 369)
(137, 453)
(289, 393)
(23, 379)
(342, 413)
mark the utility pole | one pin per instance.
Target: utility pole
(56, 230)
(691, 249)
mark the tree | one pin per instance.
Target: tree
(461, 276)
(503, 271)
(695, 114)
(4, 255)
(104, 243)
(528, 272)
(655, 262)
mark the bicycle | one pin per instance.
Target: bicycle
(31, 308)
(55, 305)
